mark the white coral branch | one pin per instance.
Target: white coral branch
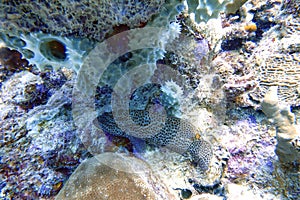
(287, 132)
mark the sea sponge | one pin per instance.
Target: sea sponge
(50, 51)
(250, 27)
(85, 19)
(61, 33)
(54, 51)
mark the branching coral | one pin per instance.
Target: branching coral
(288, 134)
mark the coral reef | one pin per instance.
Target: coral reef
(99, 68)
(176, 134)
(28, 90)
(264, 57)
(30, 139)
(252, 163)
(201, 75)
(287, 133)
(10, 62)
(278, 59)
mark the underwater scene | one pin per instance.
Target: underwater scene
(150, 100)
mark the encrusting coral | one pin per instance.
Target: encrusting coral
(287, 133)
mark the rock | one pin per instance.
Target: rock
(21, 89)
(235, 191)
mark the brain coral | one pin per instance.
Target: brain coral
(114, 176)
(88, 19)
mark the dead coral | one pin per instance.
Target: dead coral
(237, 77)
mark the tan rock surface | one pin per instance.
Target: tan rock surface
(113, 176)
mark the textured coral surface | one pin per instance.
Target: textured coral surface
(124, 178)
(56, 79)
(88, 19)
